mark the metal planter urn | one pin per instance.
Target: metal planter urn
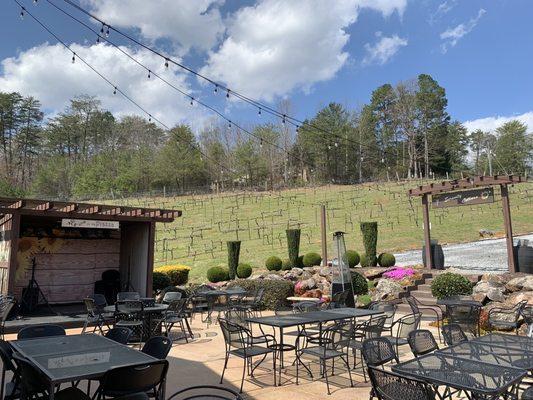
(436, 253)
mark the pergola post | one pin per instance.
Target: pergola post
(508, 227)
(427, 233)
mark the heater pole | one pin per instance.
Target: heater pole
(324, 236)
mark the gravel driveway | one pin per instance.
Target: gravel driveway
(489, 255)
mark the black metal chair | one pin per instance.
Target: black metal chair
(11, 390)
(453, 334)
(34, 385)
(36, 331)
(506, 318)
(417, 307)
(389, 310)
(240, 342)
(206, 392)
(130, 314)
(467, 316)
(421, 342)
(157, 347)
(255, 302)
(123, 296)
(368, 329)
(338, 300)
(6, 305)
(175, 314)
(378, 351)
(95, 316)
(403, 326)
(119, 334)
(527, 394)
(169, 297)
(329, 346)
(123, 381)
(527, 314)
(305, 306)
(388, 385)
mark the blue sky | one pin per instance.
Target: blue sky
(311, 52)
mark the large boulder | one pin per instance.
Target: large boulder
(492, 289)
(524, 282)
(372, 272)
(517, 297)
(386, 289)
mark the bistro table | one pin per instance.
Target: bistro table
(151, 315)
(77, 357)
(214, 294)
(313, 317)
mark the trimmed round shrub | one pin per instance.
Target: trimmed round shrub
(352, 257)
(160, 280)
(217, 274)
(312, 259)
(178, 274)
(386, 260)
(286, 265)
(359, 283)
(273, 263)
(364, 261)
(450, 284)
(244, 270)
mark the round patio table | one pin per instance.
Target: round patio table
(151, 314)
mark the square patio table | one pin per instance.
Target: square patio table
(77, 357)
(499, 355)
(523, 343)
(313, 317)
(485, 380)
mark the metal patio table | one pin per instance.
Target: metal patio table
(77, 357)
(479, 380)
(148, 315)
(523, 343)
(215, 294)
(301, 319)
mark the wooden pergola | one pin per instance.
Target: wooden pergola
(457, 185)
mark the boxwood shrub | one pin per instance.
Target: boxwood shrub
(273, 263)
(276, 291)
(312, 259)
(286, 265)
(244, 270)
(359, 283)
(450, 284)
(160, 280)
(364, 261)
(217, 274)
(386, 260)
(353, 258)
(178, 274)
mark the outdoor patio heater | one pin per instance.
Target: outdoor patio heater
(341, 279)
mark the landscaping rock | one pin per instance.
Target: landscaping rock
(297, 271)
(308, 284)
(515, 298)
(386, 289)
(315, 293)
(325, 271)
(495, 294)
(491, 288)
(524, 282)
(274, 277)
(372, 273)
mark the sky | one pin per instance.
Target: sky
(311, 52)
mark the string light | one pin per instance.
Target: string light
(115, 90)
(192, 101)
(102, 29)
(149, 74)
(166, 63)
(98, 39)
(107, 32)
(259, 111)
(22, 9)
(227, 94)
(283, 119)
(73, 58)
(149, 118)
(261, 143)
(229, 124)
(216, 89)
(297, 128)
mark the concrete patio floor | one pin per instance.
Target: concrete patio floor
(200, 362)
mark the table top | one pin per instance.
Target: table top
(459, 302)
(222, 292)
(523, 343)
(156, 308)
(460, 373)
(299, 299)
(75, 357)
(499, 355)
(312, 317)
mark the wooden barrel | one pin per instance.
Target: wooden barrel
(524, 258)
(437, 254)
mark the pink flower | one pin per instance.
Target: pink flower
(399, 273)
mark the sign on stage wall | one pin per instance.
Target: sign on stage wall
(463, 198)
(89, 223)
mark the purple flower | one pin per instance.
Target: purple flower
(399, 273)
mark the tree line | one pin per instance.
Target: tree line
(403, 132)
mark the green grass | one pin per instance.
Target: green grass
(259, 220)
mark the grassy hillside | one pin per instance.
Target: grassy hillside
(259, 220)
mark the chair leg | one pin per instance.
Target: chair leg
(326, 375)
(243, 373)
(348, 368)
(224, 368)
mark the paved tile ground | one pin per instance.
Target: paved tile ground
(201, 360)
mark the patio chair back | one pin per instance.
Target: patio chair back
(378, 351)
(306, 306)
(6, 304)
(238, 316)
(506, 317)
(6, 354)
(36, 331)
(122, 296)
(422, 342)
(375, 327)
(129, 307)
(391, 386)
(407, 324)
(119, 334)
(338, 300)
(453, 334)
(259, 296)
(206, 392)
(32, 380)
(171, 296)
(99, 299)
(90, 306)
(389, 310)
(157, 347)
(133, 379)
(467, 316)
(234, 334)
(527, 314)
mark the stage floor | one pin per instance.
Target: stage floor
(68, 316)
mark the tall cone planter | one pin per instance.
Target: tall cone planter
(370, 241)
(293, 244)
(234, 249)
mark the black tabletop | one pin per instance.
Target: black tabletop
(222, 292)
(154, 308)
(499, 355)
(459, 302)
(312, 317)
(523, 343)
(76, 357)
(470, 375)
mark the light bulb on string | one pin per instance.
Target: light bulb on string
(215, 90)
(107, 32)
(149, 118)
(259, 111)
(229, 124)
(283, 119)
(166, 63)
(73, 58)
(22, 9)
(297, 128)
(227, 94)
(192, 101)
(102, 29)
(149, 74)
(98, 39)
(115, 90)
(261, 143)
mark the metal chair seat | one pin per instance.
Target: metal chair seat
(251, 351)
(398, 341)
(128, 323)
(319, 351)
(71, 393)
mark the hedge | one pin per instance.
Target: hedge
(312, 259)
(217, 274)
(370, 241)
(244, 270)
(386, 260)
(450, 284)
(273, 263)
(293, 245)
(352, 257)
(178, 274)
(234, 248)
(160, 280)
(276, 291)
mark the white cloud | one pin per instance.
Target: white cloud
(383, 50)
(490, 124)
(190, 23)
(46, 72)
(277, 46)
(444, 8)
(451, 36)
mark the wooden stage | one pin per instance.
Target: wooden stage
(68, 316)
